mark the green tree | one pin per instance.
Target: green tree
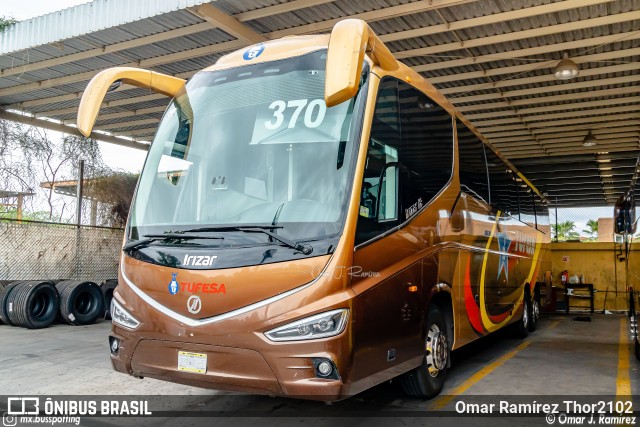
(6, 22)
(592, 229)
(566, 231)
(12, 213)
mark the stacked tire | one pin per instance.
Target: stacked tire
(107, 287)
(31, 304)
(81, 302)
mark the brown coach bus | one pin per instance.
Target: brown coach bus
(315, 218)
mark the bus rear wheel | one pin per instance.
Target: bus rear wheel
(534, 312)
(521, 328)
(427, 380)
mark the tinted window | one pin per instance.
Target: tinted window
(409, 158)
(427, 148)
(503, 194)
(380, 190)
(542, 214)
(473, 166)
(527, 212)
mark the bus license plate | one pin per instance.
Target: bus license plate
(192, 362)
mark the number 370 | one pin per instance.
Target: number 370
(314, 113)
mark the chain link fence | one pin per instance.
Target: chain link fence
(588, 224)
(46, 251)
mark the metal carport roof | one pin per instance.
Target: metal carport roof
(493, 59)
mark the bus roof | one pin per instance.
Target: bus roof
(272, 50)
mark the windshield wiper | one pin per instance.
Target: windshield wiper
(305, 249)
(153, 237)
(228, 228)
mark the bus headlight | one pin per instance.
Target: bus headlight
(319, 326)
(120, 317)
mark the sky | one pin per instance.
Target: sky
(26, 9)
(114, 156)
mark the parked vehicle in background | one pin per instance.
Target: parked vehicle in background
(625, 224)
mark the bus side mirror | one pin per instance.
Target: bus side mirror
(99, 86)
(349, 41)
(624, 215)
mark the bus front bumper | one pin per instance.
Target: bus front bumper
(279, 373)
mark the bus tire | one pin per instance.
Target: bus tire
(427, 380)
(33, 304)
(521, 327)
(534, 311)
(81, 302)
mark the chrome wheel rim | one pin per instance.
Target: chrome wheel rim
(437, 350)
(525, 315)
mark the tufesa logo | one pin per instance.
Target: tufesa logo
(173, 285)
(253, 52)
(520, 245)
(195, 287)
(205, 288)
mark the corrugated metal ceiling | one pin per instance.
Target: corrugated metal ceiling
(492, 58)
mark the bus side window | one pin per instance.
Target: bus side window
(426, 158)
(527, 212)
(409, 158)
(380, 186)
(503, 193)
(542, 215)
(472, 164)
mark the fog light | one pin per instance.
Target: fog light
(114, 344)
(325, 368)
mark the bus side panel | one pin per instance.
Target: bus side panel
(473, 230)
(388, 313)
(388, 327)
(494, 268)
(467, 321)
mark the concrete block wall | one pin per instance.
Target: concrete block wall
(601, 265)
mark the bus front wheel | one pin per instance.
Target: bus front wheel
(426, 380)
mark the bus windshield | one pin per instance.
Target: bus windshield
(252, 145)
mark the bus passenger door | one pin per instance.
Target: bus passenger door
(409, 162)
(388, 323)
